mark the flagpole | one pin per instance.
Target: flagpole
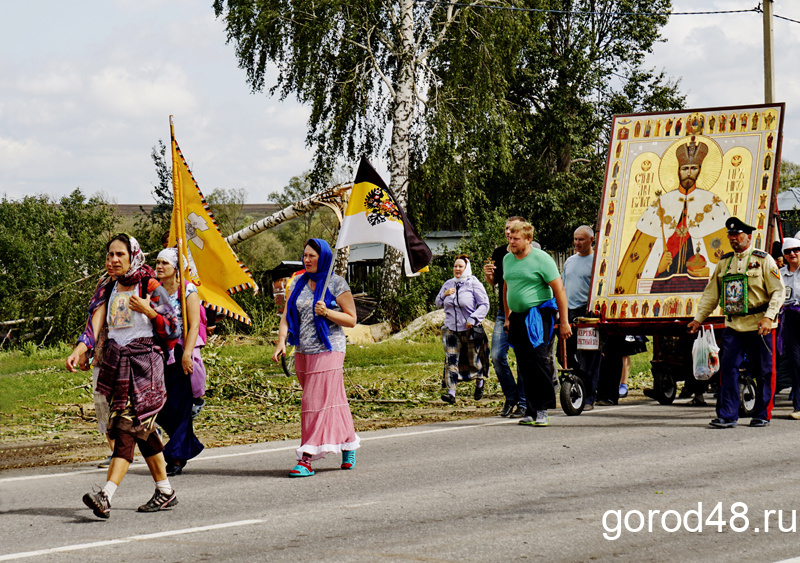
(330, 271)
(180, 229)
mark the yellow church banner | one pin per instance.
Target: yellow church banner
(207, 259)
(672, 180)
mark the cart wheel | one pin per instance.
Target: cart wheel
(747, 396)
(664, 386)
(573, 395)
(287, 362)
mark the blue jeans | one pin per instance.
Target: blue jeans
(512, 389)
(759, 352)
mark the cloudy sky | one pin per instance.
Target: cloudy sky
(87, 88)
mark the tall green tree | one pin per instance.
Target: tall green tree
(543, 158)
(51, 255)
(362, 66)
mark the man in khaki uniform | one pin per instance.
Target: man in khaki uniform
(753, 293)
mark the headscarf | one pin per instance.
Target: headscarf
(465, 275)
(170, 255)
(292, 315)
(138, 268)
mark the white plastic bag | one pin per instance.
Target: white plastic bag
(705, 354)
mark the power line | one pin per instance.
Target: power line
(757, 10)
(785, 18)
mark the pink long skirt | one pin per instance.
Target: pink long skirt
(326, 423)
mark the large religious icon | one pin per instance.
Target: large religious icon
(672, 195)
(683, 230)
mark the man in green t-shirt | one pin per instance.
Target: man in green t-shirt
(532, 294)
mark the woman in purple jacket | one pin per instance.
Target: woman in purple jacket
(466, 346)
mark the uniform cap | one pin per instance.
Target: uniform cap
(736, 225)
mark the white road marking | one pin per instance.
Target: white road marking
(80, 546)
(291, 448)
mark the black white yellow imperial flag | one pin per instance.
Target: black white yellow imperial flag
(373, 215)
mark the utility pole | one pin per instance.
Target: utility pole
(769, 60)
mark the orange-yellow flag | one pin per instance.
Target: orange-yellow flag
(207, 259)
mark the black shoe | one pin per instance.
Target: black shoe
(175, 468)
(448, 398)
(520, 412)
(99, 504)
(508, 406)
(759, 423)
(160, 501)
(478, 392)
(603, 403)
(723, 423)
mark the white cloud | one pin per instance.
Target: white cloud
(141, 91)
(86, 92)
(720, 60)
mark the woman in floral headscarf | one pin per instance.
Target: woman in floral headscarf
(141, 323)
(312, 321)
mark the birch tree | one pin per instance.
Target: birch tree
(362, 66)
(578, 63)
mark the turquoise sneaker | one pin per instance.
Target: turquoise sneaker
(302, 469)
(348, 459)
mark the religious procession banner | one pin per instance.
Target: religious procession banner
(207, 259)
(672, 180)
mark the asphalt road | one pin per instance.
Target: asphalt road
(477, 490)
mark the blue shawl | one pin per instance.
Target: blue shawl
(320, 323)
(534, 325)
(534, 322)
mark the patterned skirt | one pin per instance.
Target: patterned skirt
(326, 423)
(464, 359)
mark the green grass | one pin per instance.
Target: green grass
(29, 380)
(247, 391)
(641, 376)
(249, 397)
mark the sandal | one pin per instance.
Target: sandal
(302, 469)
(348, 459)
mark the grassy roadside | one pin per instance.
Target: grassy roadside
(47, 414)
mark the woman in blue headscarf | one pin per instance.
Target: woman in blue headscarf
(312, 321)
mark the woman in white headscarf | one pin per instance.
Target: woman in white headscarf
(466, 346)
(185, 368)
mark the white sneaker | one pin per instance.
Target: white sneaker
(795, 415)
(527, 420)
(542, 419)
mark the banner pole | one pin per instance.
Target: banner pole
(180, 229)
